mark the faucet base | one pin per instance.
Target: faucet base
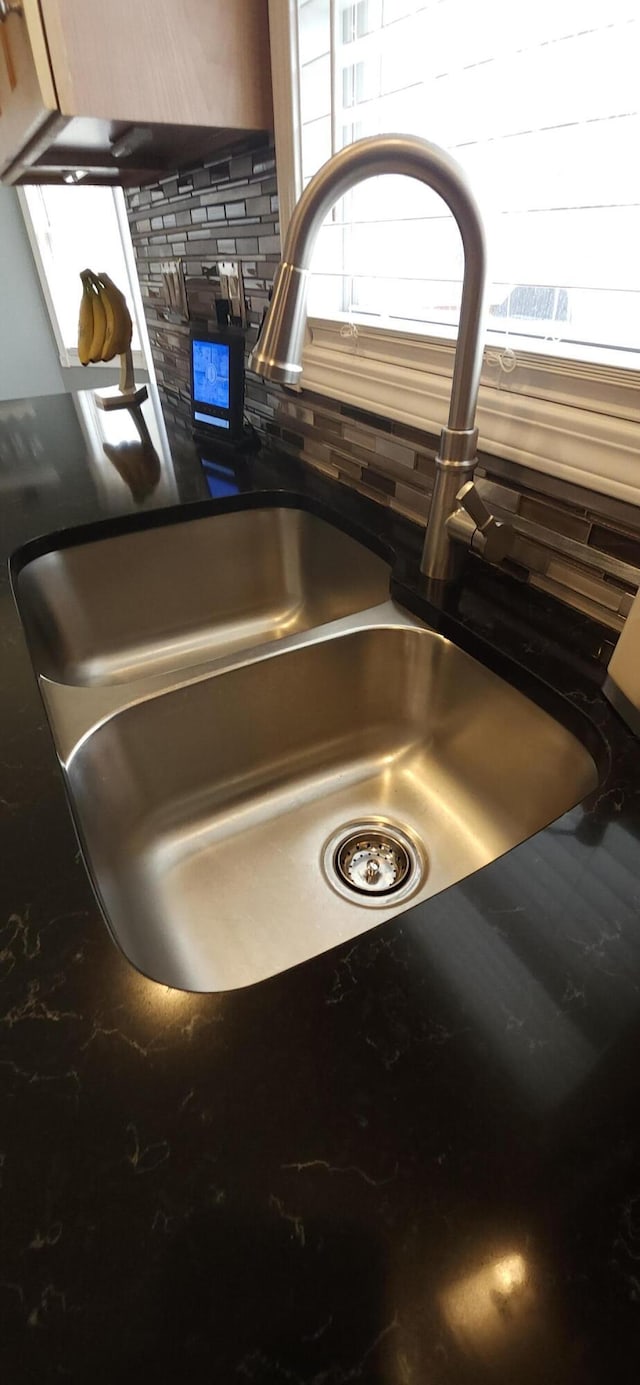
(442, 558)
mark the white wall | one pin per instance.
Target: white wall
(29, 363)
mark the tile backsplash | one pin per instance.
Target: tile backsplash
(228, 209)
(578, 545)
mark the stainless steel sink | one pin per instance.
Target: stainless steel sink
(241, 818)
(167, 598)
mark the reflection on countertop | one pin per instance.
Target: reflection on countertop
(63, 460)
(135, 445)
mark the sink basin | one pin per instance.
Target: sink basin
(261, 771)
(164, 599)
(205, 811)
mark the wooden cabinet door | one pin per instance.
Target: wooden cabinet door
(27, 95)
(175, 62)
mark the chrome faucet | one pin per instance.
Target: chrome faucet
(457, 512)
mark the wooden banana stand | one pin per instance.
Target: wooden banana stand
(126, 393)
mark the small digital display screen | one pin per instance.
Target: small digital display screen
(211, 373)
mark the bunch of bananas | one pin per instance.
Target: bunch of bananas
(104, 328)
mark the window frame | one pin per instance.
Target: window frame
(564, 415)
(69, 357)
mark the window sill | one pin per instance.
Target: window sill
(573, 420)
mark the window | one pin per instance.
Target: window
(70, 228)
(540, 104)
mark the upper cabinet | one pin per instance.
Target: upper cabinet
(27, 93)
(119, 90)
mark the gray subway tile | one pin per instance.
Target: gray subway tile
(241, 166)
(563, 521)
(365, 416)
(258, 205)
(406, 431)
(294, 410)
(380, 481)
(218, 171)
(396, 452)
(414, 500)
(217, 195)
(249, 225)
(351, 470)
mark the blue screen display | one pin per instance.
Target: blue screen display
(211, 373)
(220, 479)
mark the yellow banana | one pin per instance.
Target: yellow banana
(118, 338)
(108, 349)
(85, 321)
(99, 326)
(125, 328)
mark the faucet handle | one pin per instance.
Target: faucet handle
(472, 523)
(469, 497)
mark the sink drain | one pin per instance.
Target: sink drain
(373, 862)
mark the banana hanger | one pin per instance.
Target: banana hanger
(105, 330)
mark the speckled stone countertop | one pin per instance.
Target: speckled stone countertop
(414, 1160)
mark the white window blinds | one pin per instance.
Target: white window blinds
(540, 103)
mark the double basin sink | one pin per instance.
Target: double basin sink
(266, 756)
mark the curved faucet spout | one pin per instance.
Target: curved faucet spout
(278, 353)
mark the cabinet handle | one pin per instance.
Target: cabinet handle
(8, 7)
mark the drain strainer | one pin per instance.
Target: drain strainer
(373, 862)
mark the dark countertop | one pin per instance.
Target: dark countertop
(414, 1160)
